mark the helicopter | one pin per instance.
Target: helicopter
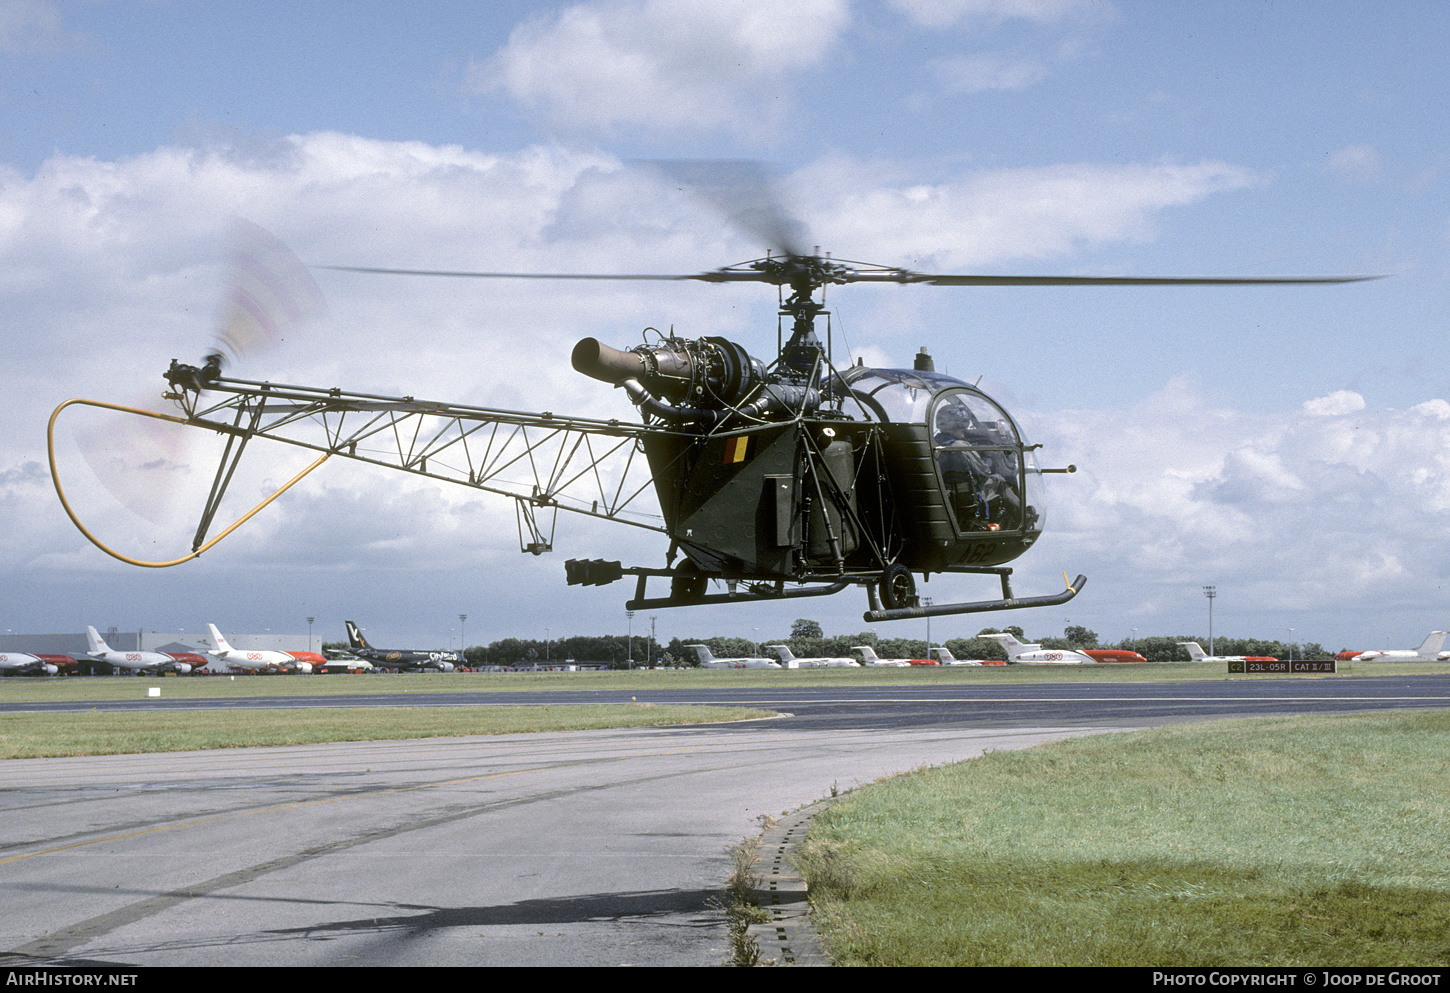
(775, 479)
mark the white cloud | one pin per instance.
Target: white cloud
(664, 65)
(995, 215)
(1339, 508)
(31, 26)
(1355, 164)
(945, 13)
(989, 71)
(1338, 402)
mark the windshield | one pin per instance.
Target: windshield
(900, 395)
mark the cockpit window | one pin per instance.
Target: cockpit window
(982, 466)
(989, 478)
(972, 417)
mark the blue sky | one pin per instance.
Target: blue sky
(1290, 445)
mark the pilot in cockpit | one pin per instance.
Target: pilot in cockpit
(981, 484)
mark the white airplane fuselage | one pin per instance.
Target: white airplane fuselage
(945, 657)
(141, 661)
(1020, 654)
(1197, 654)
(1429, 651)
(789, 660)
(22, 663)
(709, 661)
(260, 660)
(870, 658)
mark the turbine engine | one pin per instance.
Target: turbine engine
(704, 381)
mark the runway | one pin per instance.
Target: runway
(908, 704)
(569, 848)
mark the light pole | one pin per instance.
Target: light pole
(1135, 639)
(927, 601)
(652, 619)
(309, 632)
(1291, 644)
(1210, 592)
(629, 652)
(462, 641)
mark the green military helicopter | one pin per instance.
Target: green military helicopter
(793, 477)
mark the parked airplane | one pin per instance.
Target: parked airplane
(1020, 654)
(868, 657)
(789, 661)
(178, 662)
(1112, 655)
(944, 656)
(400, 658)
(237, 660)
(1429, 651)
(344, 663)
(1196, 654)
(709, 661)
(23, 664)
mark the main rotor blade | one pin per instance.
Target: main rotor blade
(504, 275)
(942, 280)
(844, 273)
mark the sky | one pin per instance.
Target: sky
(1289, 446)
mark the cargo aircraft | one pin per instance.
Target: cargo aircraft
(1020, 654)
(261, 660)
(24, 664)
(180, 663)
(1115, 655)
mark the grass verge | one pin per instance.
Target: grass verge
(1286, 842)
(113, 733)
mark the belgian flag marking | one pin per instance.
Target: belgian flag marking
(738, 449)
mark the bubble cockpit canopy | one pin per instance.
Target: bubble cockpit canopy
(987, 474)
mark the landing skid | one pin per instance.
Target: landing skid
(1008, 602)
(597, 572)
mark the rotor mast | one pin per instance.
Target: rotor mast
(804, 274)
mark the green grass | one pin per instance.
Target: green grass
(24, 690)
(1285, 842)
(110, 733)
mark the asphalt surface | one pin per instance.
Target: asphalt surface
(1127, 704)
(570, 848)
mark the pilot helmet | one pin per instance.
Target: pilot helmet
(954, 418)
